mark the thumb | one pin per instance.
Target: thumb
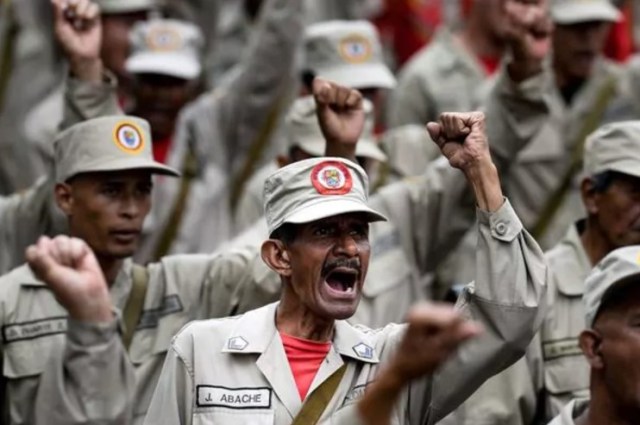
(322, 92)
(41, 262)
(435, 130)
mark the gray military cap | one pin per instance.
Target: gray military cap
(108, 7)
(567, 12)
(303, 130)
(614, 147)
(314, 189)
(618, 269)
(166, 47)
(115, 143)
(347, 52)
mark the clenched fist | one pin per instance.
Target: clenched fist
(341, 115)
(79, 31)
(462, 138)
(69, 267)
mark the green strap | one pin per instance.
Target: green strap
(135, 303)
(318, 401)
(591, 123)
(189, 173)
(254, 154)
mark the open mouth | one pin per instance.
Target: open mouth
(342, 280)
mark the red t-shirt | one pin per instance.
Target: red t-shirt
(305, 358)
(490, 64)
(161, 149)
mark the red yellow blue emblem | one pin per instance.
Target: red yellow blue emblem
(128, 137)
(356, 49)
(331, 178)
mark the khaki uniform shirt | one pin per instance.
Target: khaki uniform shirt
(442, 77)
(251, 205)
(218, 129)
(570, 412)
(234, 370)
(554, 370)
(51, 378)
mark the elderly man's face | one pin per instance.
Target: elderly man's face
(576, 47)
(107, 209)
(329, 260)
(619, 328)
(617, 211)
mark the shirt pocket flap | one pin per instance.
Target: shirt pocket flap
(566, 375)
(386, 272)
(153, 341)
(28, 358)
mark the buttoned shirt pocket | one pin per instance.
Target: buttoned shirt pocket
(222, 416)
(566, 373)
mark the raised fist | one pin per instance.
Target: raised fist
(69, 267)
(435, 332)
(340, 113)
(461, 138)
(79, 31)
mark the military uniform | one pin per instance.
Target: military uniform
(570, 412)
(215, 133)
(231, 370)
(442, 77)
(46, 357)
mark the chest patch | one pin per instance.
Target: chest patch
(170, 304)
(233, 398)
(34, 329)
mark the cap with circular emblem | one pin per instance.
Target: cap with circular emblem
(568, 12)
(314, 189)
(115, 143)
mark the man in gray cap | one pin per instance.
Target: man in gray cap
(317, 215)
(610, 343)
(304, 140)
(213, 138)
(447, 75)
(103, 178)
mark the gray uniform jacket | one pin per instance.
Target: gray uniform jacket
(442, 77)
(570, 412)
(234, 370)
(57, 371)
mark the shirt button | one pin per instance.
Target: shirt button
(501, 228)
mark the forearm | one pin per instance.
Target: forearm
(483, 179)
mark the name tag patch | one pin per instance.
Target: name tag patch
(233, 398)
(34, 329)
(170, 304)
(561, 348)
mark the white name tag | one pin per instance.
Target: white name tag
(234, 398)
(34, 329)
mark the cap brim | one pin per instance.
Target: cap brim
(126, 165)
(330, 207)
(620, 285)
(567, 14)
(629, 166)
(360, 76)
(370, 149)
(171, 64)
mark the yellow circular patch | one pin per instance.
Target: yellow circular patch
(164, 39)
(356, 49)
(128, 137)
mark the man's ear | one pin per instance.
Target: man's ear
(591, 344)
(64, 200)
(275, 255)
(589, 195)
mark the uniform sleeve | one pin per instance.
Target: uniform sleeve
(86, 100)
(92, 381)
(23, 218)
(507, 298)
(263, 77)
(431, 212)
(515, 113)
(172, 401)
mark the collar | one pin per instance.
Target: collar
(255, 330)
(573, 264)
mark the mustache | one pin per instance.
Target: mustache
(349, 263)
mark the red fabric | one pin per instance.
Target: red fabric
(408, 25)
(161, 149)
(490, 64)
(619, 45)
(305, 358)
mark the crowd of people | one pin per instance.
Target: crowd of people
(333, 212)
